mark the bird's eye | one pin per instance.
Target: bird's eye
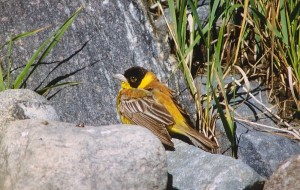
(133, 79)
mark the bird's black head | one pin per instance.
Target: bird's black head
(135, 75)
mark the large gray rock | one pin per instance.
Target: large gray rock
(286, 177)
(39, 154)
(261, 150)
(106, 38)
(193, 168)
(264, 151)
(24, 104)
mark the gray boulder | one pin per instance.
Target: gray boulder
(264, 151)
(39, 154)
(286, 177)
(24, 104)
(192, 168)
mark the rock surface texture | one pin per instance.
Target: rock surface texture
(192, 168)
(261, 150)
(264, 152)
(257, 147)
(286, 177)
(24, 104)
(39, 154)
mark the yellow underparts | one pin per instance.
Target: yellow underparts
(180, 121)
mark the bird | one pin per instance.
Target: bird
(143, 100)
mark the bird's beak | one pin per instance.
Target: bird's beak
(120, 77)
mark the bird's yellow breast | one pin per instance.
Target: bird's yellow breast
(167, 101)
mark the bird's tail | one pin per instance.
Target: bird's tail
(199, 140)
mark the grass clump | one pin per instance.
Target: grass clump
(255, 39)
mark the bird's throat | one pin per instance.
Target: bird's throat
(149, 77)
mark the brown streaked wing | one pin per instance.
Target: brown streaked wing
(145, 111)
(169, 92)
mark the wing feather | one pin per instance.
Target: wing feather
(145, 111)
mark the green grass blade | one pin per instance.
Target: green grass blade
(283, 22)
(258, 15)
(2, 85)
(59, 34)
(295, 12)
(45, 90)
(173, 15)
(228, 125)
(213, 12)
(22, 75)
(53, 39)
(197, 20)
(9, 62)
(190, 48)
(181, 28)
(25, 34)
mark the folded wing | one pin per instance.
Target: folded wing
(145, 111)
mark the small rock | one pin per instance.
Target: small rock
(24, 104)
(35, 154)
(286, 177)
(193, 168)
